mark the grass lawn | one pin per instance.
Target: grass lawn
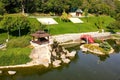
(3, 37)
(14, 56)
(69, 27)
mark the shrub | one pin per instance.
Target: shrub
(19, 42)
(19, 25)
(93, 47)
(65, 17)
(105, 46)
(97, 41)
(15, 24)
(114, 26)
(3, 37)
(34, 25)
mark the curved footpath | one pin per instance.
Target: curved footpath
(61, 39)
(76, 36)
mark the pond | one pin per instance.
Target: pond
(83, 67)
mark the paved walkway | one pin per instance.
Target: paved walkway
(76, 36)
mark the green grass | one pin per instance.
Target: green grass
(69, 27)
(34, 25)
(15, 14)
(14, 56)
(34, 20)
(3, 38)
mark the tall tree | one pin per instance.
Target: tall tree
(117, 6)
(2, 10)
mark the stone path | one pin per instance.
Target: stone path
(76, 36)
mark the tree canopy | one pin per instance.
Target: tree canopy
(57, 6)
(98, 7)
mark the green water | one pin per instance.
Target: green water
(83, 67)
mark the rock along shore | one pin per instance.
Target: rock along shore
(61, 39)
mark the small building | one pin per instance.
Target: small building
(40, 37)
(79, 12)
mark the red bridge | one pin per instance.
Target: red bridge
(87, 38)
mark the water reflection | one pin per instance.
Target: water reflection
(10, 77)
(82, 67)
(103, 58)
(115, 46)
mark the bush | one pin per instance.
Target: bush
(19, 42)
(114, 26)
(105, 46)
(97, 41)
(3, 38)
(94, 47)
(13, 23)
(34, 25)
(18, 25)
(65, 17)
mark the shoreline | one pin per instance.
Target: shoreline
(61, 39)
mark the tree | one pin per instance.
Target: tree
(114, 26)
(11, 6)
(14, 24)
(2, 10)
(75, 4)
(15, 6)
(6, 24)
(101, 8)
(64, 17)
(86, 13)
(20, 24)
(56, 6)
(117, 6)
(22, 2)
(117, 17)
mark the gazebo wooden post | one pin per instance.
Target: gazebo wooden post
(33, 38)
(48, 39)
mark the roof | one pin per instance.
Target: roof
(40, 34)
(79, 10)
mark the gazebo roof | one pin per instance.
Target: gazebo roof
(79, 10)
(40, 34)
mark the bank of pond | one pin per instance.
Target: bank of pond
(39, 69)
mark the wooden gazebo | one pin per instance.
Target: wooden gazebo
(79, 12)
(40, 37)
